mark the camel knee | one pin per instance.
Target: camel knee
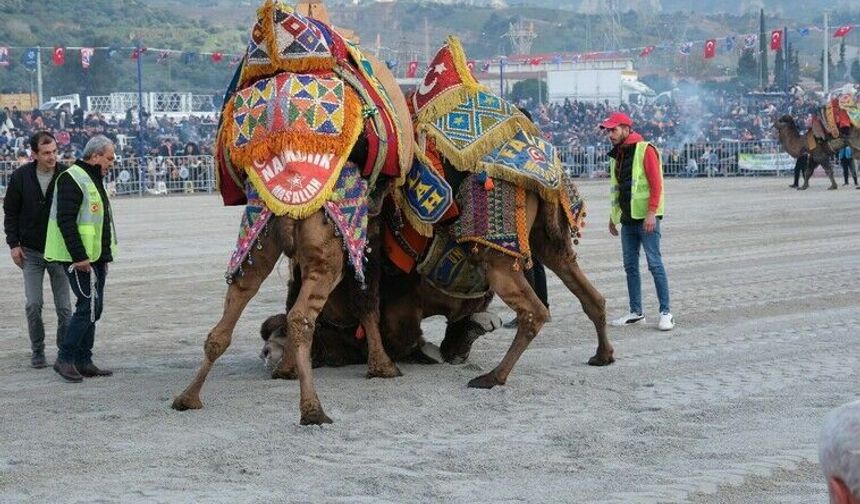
(215, 346)
(301, 329)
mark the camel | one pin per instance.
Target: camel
(311, 242)
(544, 223)
(796, 145)
(404, 299)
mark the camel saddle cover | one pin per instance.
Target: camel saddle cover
(294, 111)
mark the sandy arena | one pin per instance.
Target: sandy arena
(724, 409)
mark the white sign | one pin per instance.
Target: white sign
(775, 161)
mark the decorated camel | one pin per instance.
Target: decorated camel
(313, 134)
(492, 193)
(471, 215)
(796, 145)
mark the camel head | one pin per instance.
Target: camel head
(783, 122)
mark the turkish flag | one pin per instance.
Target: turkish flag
(217, 57)
(645, 52)
(775, 40)
(59, 56)
(842, 31)
(710, 48)
(412, 69)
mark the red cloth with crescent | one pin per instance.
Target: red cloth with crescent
(710, 48)
(441, 76)
(775, 40)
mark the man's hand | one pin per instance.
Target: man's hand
(17, 254)
(82, 265)
(612, 229)
(650, 221)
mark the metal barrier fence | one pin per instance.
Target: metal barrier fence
(191, 174)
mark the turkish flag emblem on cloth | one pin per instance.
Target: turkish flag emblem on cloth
(842, 31)
(645, 52)
(59, 56)
(775, 40)
(412, 69)
(710, 48)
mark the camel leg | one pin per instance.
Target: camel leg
(593, 303)
(515, 291)
(379, 364)
(828, 169)
(807, 173)
(321, 260)
(286, 369)
(239, 292)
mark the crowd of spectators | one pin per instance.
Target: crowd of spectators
(162, 136)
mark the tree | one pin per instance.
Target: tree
(842, 65)
(855, 70)
(779, 70)
(762, 50)
(533, 89)
(831, 69)
(748, 69)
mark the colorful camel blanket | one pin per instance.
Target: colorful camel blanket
(294, 110)
(495, 218)
(447, 267)
(292, 133)
(347, 208)
(254, 220)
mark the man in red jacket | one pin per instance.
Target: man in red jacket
(636, 175)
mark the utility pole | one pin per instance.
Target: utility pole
(39, 73)
(141, 150)
(825, 62)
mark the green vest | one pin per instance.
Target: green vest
(91, 216)
(640, 190)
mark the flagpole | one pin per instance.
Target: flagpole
(140, 147)
(825, 63)
(39, 73)
(785, 58)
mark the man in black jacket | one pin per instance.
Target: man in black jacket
(81, 236)
(26, 208)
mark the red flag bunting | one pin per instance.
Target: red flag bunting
(135, 53)
(162, 57)
(217, 57)
(710, 48)
(59, 56)
(842, 31)
(775, 40)
(412, 69)
(645, 52)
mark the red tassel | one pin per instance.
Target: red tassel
(359, 332)
(489, 185)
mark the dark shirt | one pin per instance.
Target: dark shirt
(69, 199)
(26, 210)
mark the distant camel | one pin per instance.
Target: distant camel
(796, 145)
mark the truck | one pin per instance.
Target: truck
(614, 81)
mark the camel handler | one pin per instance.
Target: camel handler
(81, 236)
(636, 178)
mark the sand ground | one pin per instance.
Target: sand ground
(724, 409)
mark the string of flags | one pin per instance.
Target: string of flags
(29, 56)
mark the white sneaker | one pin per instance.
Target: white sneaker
(667, 322)
(630, 318)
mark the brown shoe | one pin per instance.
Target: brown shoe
(90, 370)
(68, 371)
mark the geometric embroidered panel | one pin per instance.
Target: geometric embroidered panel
(474, 118)
(289, 102)
(296, 37)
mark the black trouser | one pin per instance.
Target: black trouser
(848, 165)
(537, 279)
(799, 166)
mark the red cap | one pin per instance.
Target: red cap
(616, 119)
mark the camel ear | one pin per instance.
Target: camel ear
(839, 491)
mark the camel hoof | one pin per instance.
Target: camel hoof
(289, 374)
(601, 360)
(384, 372)
(315, 417)
(183, 403)
(486, 381)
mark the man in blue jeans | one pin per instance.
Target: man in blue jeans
(26, 208)
(636, 177)
(81, 237)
